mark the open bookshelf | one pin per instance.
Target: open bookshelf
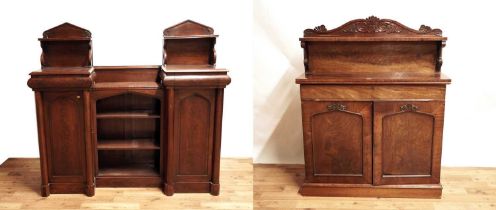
(128, 136)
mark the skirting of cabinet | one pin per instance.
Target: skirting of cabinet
(128, 181)
(359, 190)
(67, 188)
(192, 187)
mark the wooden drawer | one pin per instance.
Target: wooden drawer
(372, 92)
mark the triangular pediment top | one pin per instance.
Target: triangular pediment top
(67, 31)
(372, 27)
(188, 28)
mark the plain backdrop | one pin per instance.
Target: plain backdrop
(124, 33)
(469, 57)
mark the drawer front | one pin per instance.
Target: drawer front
(407, 142)
(337, 141)
(372, 92)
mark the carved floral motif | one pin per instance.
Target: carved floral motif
(320, 28)
(373, 25)
(336, 107)
(408, 108)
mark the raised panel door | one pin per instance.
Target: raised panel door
(337, 138)
(65, 136)
(407, 142)
(193, 134)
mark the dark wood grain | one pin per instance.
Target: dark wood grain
(372, 45)
(407, 142)
(338, 145)
(189, 43)
(373, 108)
(66, 45)
(129, 126)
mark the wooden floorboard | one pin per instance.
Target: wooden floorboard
(20, 189)
(242, 187)
(276, 187)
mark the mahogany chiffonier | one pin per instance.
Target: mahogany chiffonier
(372, 100)
(129, 126)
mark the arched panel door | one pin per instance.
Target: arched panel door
(407, 138)
(338, 141)
(65, 137)
(193, 135)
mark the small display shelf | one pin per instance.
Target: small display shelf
(128, 144)
(128, 114)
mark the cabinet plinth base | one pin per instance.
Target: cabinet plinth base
(192, 187)
(359, 190)
(130, 181)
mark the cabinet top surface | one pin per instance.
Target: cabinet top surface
(375, 78)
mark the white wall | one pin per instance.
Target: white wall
(274, 121)
(124, 33)
(469, 57)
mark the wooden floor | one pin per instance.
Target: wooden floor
(20, 185)
(276, 186)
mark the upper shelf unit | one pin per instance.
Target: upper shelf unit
(189, 43)
(66, 45)
(372, 45)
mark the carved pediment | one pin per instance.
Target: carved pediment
(67, 31)
(188, 28)
(372, 26)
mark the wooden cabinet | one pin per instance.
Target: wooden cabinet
(372, 102)
(129, 126)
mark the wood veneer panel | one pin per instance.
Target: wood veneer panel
(376, 57)
(372, 92)
(65, 136)
(338, 141)
(194, 137)
(408, 141)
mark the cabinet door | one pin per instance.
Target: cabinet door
(65, 136)
(193, 134)
(337, 140)
(407, 142)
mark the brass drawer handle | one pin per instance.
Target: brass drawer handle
(336, 107)
(408, 108)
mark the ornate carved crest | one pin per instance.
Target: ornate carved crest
(188, 28)
(67, 31)
(372, 26)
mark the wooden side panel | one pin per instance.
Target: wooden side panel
(193, 134)
(371, 57)
(407, 143)
(338, 141)
(65, 136)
